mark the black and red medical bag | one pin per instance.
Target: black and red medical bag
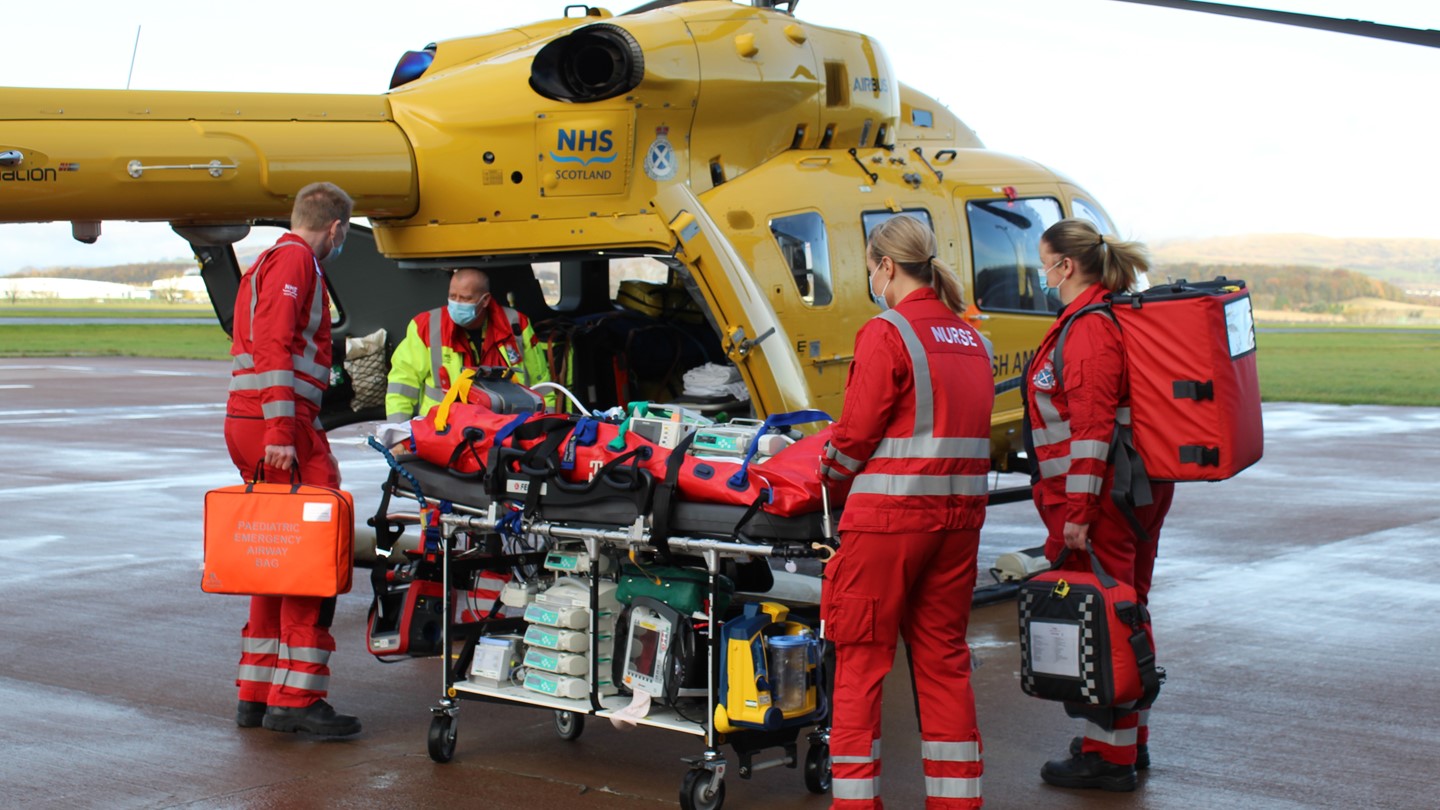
(1084, 637)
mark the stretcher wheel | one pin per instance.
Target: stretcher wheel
(569, 725)
(442, 738)
(817, 768)
(695, 792)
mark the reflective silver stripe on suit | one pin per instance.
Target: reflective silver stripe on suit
(516, 334)
(933, 447)
(1089, 448)
(310, 391)
(250, 672)
(832, 473)
(844, 461)
(276, 410)
(874, 756)
(307, 361)
(407, 391)
(1083, 484)
(1051, 415)
(307, 655)
(924, 396)
(1051, 433)
(946, 787)
(854, 789)
(1122, 415)
(273, 379)
(310, 367)
(942, 751)
(1051, 467)
(436, 358)
(260, 646)
(1120, 737)
(894, 484)
(266, 379)
(302, 680)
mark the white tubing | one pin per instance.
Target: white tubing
(566, 391)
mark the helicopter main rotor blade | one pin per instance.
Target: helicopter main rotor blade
(1428, 37)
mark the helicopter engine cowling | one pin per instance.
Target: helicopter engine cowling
(592, 64)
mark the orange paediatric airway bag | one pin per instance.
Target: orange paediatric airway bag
(278, 540)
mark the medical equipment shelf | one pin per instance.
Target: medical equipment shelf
(703, 784)
(658, 718)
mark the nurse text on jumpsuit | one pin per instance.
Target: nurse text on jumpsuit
(913, 446)
(282, 356)
(1071, 423)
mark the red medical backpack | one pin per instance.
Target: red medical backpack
(1194, 390)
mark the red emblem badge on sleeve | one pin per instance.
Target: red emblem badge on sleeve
(1044, 379)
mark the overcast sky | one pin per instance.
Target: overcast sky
(1182, 124)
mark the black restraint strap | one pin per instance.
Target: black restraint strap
(666, 497)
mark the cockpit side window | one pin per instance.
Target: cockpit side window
(1005, 252)
(1088, 211)
(806, 249)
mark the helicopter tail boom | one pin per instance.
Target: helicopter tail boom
(194, 157)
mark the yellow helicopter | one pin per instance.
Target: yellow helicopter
(733, 155)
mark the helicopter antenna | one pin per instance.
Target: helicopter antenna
(133, 53)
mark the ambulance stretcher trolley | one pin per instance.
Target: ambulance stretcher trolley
(596, 533)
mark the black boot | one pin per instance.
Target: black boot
(1142, 753)
(1089, 771)
(318, 718)
(249, 713)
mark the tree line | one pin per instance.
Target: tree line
(1294, 287)
(143, 273)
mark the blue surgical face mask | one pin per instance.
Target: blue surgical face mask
(462, 314)
(1045, 272)
(880, 296)
(334, 253)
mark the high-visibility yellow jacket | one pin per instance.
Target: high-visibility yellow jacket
(435, 350)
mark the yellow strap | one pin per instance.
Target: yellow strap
(457, 393)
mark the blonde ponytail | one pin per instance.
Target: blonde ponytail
(1115, 263)
(911, 245)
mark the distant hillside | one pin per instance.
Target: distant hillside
(1407, 263)
(142, 274)
(1310, 293)
(1289, 287)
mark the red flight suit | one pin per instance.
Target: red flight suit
(1073, 422)
(913, 443)
(281, 368)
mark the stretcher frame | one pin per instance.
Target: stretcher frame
(703, 783)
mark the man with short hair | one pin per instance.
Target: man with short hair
(472, 330)
(282, 357)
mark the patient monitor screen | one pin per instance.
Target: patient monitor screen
(647, 653)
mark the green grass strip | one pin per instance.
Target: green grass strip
(71, 309)
(101, 340)
(1348, 367)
